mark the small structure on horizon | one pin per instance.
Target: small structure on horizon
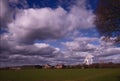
(47, 66)
(59, 66)
(15, 68)
(88, 59)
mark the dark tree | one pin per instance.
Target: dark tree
(108, 19)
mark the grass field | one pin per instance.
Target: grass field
(60, 75)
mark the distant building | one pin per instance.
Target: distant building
(59, 66)
(15, 68)
(47, 66)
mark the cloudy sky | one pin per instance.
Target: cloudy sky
(51, 31)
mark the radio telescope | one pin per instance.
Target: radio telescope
(88, 59)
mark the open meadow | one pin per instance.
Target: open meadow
(60, 75)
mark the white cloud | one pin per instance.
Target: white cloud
(81, 44)
(41, 45)
(87, 39)
(113, 50)
(72, 45)
(47, 23)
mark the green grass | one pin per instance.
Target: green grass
(60, 75)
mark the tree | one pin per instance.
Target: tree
(108, 19)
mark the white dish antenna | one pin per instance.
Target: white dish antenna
(88, 59)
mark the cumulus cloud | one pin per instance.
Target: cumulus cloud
(18, 46)
(8, 9)
(82, 46)
(74, 52)
(47, 23)
(108, 51)
(36, 53)
(6, 13)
